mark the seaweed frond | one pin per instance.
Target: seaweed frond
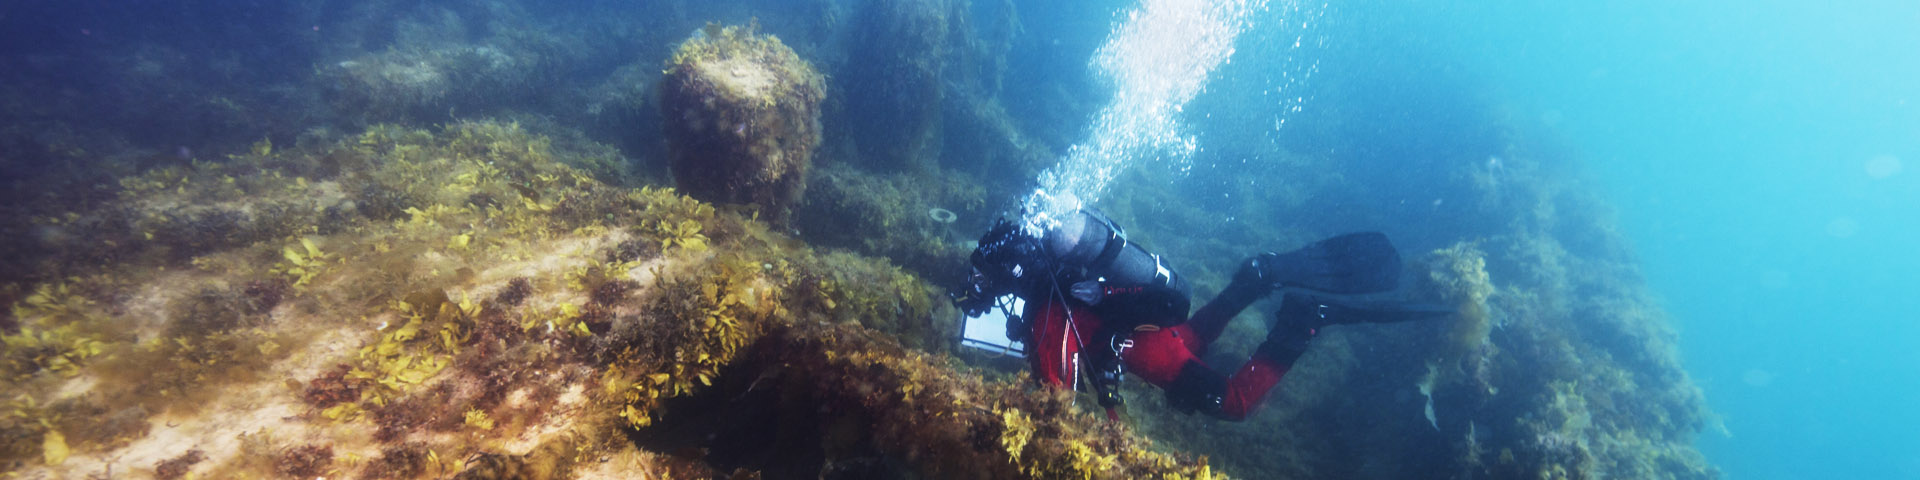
(302, 264)
(434, 329)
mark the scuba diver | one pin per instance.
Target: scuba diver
(1100, 306)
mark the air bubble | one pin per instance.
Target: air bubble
(1883, 166)
(1842, 227)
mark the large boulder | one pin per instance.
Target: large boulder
(742, 118)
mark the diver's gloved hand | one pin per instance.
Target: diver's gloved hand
(978, 296)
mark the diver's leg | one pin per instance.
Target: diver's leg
(1250, 385)
(1247, 287)
(1293, 329)
(1197, 388)
(1353, 263)
(1296, 323)
(1162, 358)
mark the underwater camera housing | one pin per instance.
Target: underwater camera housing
(994, 329)
(1005, 259)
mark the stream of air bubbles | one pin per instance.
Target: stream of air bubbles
(1157, 58)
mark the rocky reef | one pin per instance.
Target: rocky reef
(896, 216)
(466, 303)
(417, 84)
(896, 60)
(744, 117)
(440, 240)
(1559, 364)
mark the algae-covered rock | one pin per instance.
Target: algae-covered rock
(742, 118)
(515, 318)
(425, 83)
(921, 222)
(1459, 274)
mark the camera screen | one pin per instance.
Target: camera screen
(989, 330)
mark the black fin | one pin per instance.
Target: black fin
(1348, 264)
(1302, 311)
(1405, 312)
(1320, 310)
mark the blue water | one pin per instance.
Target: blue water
(1762, 157)
(1751, 150)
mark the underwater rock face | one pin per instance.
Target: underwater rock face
(897, 61)
(888, 216)
(518, 320)
(742, 118)
(424, 83)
